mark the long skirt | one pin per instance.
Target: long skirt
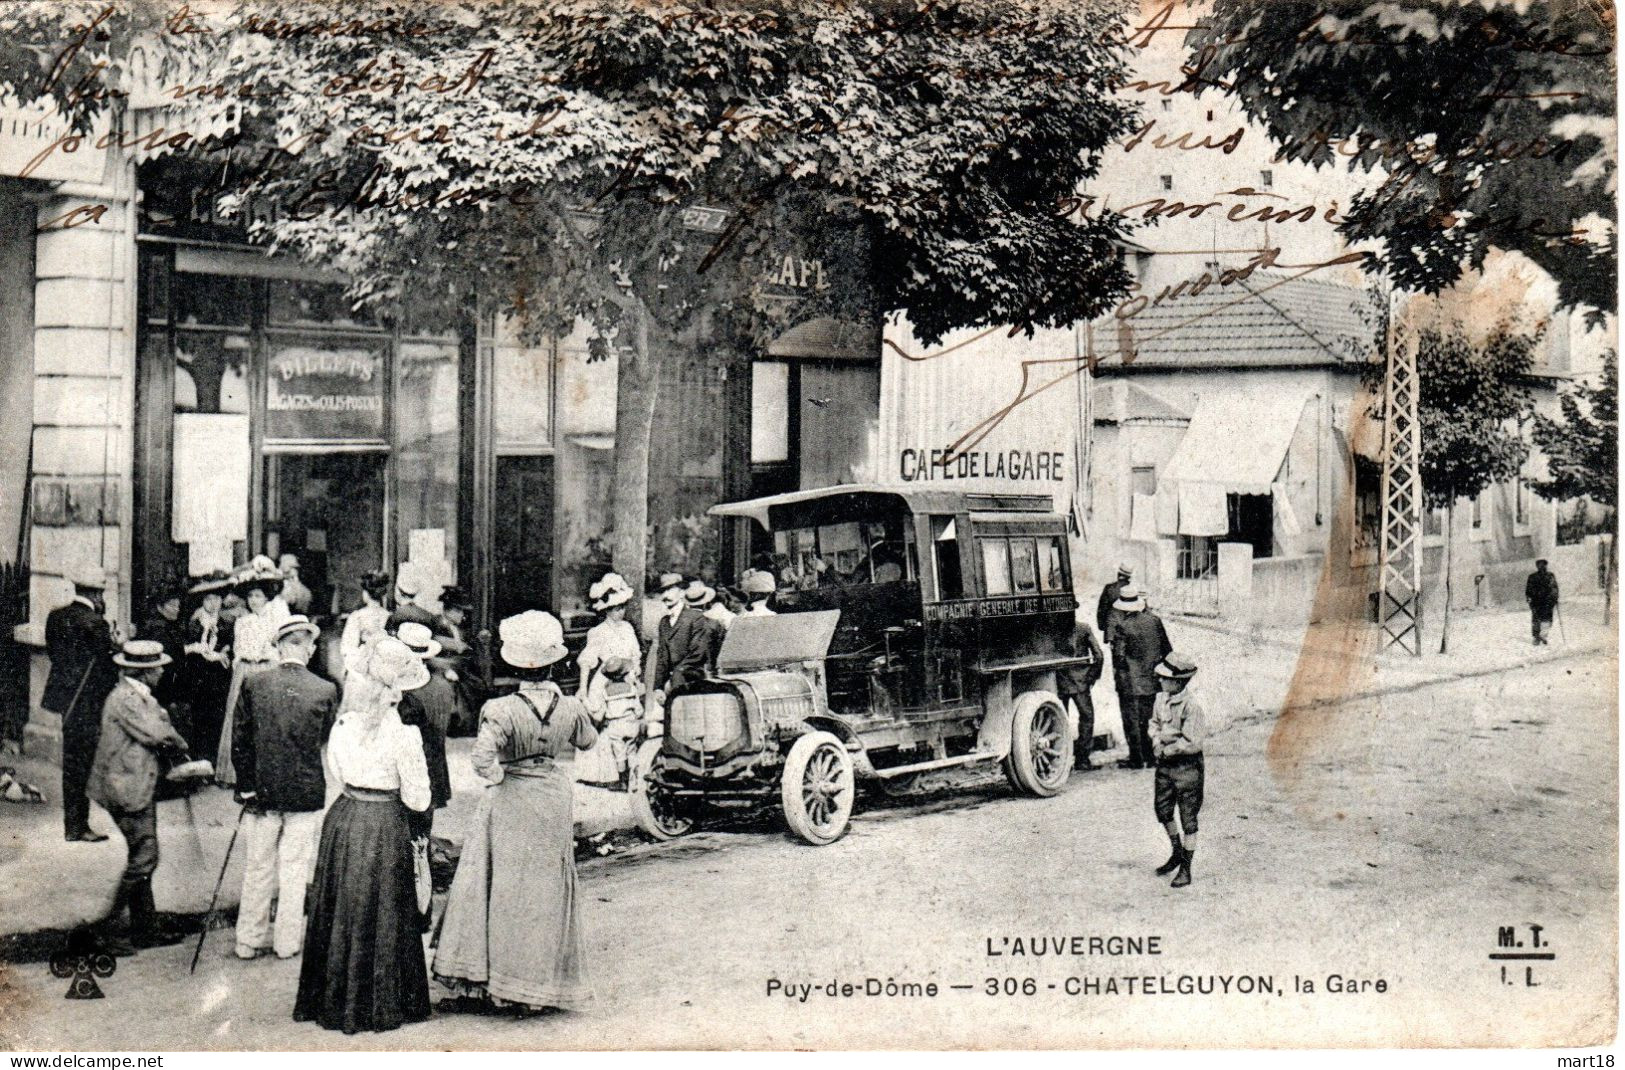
(510, 932)
(363, 962)
(224, 772)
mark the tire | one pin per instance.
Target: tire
(655, 810)
(818, 788)
(1040, 756)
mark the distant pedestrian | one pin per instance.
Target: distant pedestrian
(253, 648)
(206, 676)
(294, 591)
(135, 732)
(1139, 642)
(79, 641)
(281, 721)
(1540, 591)
(1178, 728)
(407, 589)
(363, 965)
(510, 935)
(758, 588)
(1109, 595)
(1076, 683)
(429, 709)
(366, 622)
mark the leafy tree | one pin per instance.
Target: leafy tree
(1490, 124)
(1582, 451)
(543, 155)
(1473, 396)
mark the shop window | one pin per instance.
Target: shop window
(427, 457)
(299, 303)
(320, 389)
(1198, 558)
(1145, 479)
(769, 412)
(1367, 503)
(211, 372)
(996, 567)
(1024, 565)
(212, 300)
(945, 552)
(1051, 567)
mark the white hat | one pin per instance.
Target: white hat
(758, 581)
(1125, 569)
(295, 624)
(142, 654)
(407, 584)
(288, 563)
(1129, 599)
(90, 579)
(610, 591)
(418, 639)
(394, 665)
(1176, 666)
(698, 593)
(533, 639)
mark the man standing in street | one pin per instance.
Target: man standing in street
(80, 644)
(1109, 595)
(682, 641)
(282, 719)
(1178, 729)
(135, 730)
(1540, 591)
(1139, 643)
(1076, 682)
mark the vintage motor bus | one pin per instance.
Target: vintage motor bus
(917, 631)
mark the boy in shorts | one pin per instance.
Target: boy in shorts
(1177, 730)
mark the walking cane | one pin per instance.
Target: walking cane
(1561, 630)
(220, 880)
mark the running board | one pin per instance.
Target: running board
(935, 763)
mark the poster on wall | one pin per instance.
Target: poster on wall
(211, 477)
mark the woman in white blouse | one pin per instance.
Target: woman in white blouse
(611, 637)
(363, 964)
(253, 650)
(365, 624)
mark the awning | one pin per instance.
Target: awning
(1237, 442)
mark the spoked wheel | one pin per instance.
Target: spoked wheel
(818, 788)
(1040, 745)
(656, 809)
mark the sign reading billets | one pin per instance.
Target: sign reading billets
(325, 394)
(915, 465)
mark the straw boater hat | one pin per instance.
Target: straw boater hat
(757, 581)
(609, 592)
(1125, 570)
(1176, 666)
(89, 579)
(142, 654)
(699, 594)
(394, 665)
(533, 639)
(295, 624)
(418, 639)
(669, 580)
(407, 584)
(1129, 599)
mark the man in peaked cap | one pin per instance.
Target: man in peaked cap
(1178, 729)
(79, 641)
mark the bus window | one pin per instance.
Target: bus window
(996, 566)
(1024, 565)
(945, 546)
(1051, 573)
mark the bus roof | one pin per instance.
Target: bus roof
(917, 500)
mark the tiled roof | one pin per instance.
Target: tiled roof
(1266, 320)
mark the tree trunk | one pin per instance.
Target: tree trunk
(637, 390)
(1449, 543)
(1610, 573)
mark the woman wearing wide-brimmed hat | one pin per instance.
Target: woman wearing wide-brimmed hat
(363, 965)
(206, 666)
(613, 636)
(253, 645)
(510, 935)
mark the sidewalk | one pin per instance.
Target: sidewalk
(1247, 675)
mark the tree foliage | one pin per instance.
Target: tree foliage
(1489, 124)
(1582, 448)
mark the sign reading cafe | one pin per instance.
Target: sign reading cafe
(918, 465)
(325, 394)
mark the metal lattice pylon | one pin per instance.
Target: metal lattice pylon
(1400, 564)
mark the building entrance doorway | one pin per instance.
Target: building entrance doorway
(524, 535)
(327, 509)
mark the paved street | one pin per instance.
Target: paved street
(1385, 838)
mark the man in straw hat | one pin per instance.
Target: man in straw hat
(1178, 727)
(1139, 642)
(1109, 595)
(282, 719)
(79, 641)
(430, 709)
(135, 730)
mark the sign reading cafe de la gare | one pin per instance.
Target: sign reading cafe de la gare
(325, 394)
(1017, 465)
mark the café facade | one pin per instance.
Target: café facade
(177, 400)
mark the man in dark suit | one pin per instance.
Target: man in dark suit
(1139, 643)
(683, 643)
(80, 644)
(429, 709)
(1109, 594)
(282, 719)
(1076, 682)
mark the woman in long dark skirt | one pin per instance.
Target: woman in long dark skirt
(363, 962)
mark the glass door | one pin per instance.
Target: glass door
(327, 509)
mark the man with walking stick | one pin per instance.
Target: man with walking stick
(80, 644)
